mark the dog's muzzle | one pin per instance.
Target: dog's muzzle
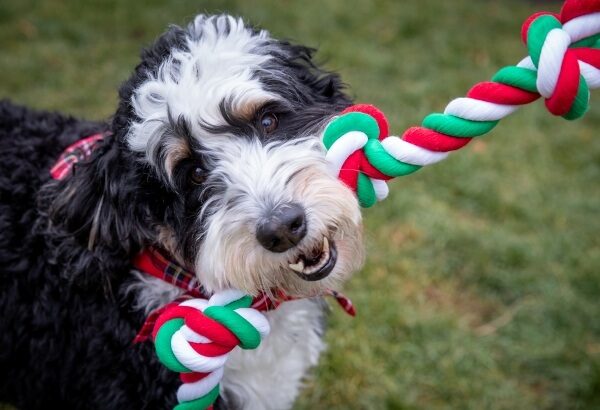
(283, 228)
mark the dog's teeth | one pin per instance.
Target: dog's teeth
(325, 245)
(298, 267)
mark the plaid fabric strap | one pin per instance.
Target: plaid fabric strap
(74, 153)
(154, 263)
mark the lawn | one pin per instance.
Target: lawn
(482, 285)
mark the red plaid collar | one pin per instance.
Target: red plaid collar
(74, 153)
(154, 262)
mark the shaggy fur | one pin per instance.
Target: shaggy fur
(195, 104)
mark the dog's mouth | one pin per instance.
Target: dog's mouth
(316, 264)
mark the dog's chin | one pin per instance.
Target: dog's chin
(312, 269)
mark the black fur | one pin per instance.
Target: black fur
(66, 325)
(65, 334)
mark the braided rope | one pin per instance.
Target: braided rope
(563, 65)
(195, 338)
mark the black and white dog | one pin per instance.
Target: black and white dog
(213, 156)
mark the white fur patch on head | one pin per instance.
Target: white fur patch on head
(217, 64)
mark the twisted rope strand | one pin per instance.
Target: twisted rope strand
(562, 66)
(195, 337)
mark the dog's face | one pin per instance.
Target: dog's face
(228, 120)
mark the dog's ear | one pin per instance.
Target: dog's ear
(326, 87)
(151, 58)
(99, 204)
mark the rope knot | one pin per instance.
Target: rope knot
(356, 153)
(563, 49)
(364, 156)
(195, 337)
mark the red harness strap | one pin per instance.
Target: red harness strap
(78, 151)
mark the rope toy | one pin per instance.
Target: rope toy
(563, 65)
(195, 337)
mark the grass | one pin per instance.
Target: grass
(482, 285)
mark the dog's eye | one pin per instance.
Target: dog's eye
(197, 176)
(269, 123)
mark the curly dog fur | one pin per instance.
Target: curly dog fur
(71, 303)
(65, 337)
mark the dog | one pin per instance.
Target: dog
(213, 157)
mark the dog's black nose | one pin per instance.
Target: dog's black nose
(283, 228)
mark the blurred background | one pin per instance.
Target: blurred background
(482, 284)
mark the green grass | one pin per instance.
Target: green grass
(482, 285)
